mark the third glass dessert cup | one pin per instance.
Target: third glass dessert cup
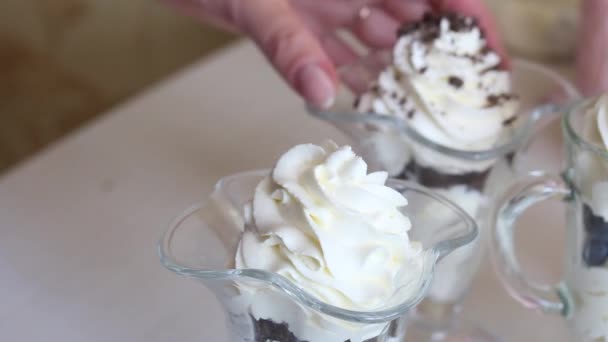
(582, 295)
(469, 178)
(263, 306)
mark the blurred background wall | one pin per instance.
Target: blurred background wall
(63, 62)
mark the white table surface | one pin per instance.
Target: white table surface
(79, 222)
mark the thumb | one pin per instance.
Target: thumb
(290, 46)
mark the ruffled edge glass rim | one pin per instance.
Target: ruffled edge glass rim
(571, 133)
(433, 255)
(511, 145)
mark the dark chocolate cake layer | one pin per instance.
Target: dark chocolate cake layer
(432, 178)
(267, 330)
(595, 250)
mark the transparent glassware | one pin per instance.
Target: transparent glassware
(262, 306)
(582, 295)
(388, 143)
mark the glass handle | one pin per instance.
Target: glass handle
(522, 195)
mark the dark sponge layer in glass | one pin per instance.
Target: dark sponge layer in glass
(595, 251)
(432, 178)
(268, 330)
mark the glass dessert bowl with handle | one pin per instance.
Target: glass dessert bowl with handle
(262, 306)
(581, 297)
(469, 178)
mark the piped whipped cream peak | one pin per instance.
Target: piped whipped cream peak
(595, 176)
(447, 83)
(320, 220)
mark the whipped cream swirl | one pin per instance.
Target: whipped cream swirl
(320, 220)
(595, 175)
(447, 84)
(595, 129)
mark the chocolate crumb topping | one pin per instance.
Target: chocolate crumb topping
(429, 26)
(398, 76)
(357, 101)
(498, 99)
(411, 113)
(492, 100)
(429, 35)
(494, 68)
(394, 95)
(460, 23)
(509, 121)
(423, 70)
(375, 88)
(402, 101)
(431, 18)
(407, 29)
(455, 81)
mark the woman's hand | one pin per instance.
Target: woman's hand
(299, 36)
(592, 51)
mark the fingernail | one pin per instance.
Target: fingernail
(315, 85)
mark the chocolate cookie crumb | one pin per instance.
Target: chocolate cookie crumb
(408, 28)
(411, 113)
(494, 68)
(509, 121)
(492, 100)
(398, 76)
(357, 101)
(456, 82)
(497, 99)
(402, 101)
(266, 330)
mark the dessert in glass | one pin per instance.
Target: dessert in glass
(440, 110)
(316, 249)
(582, 295)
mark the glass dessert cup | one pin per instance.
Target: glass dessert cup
(469, 178)
(582, 295)
(262, 306)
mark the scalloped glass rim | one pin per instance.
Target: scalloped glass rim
(575, 136)
(401, 125)
(433, 254)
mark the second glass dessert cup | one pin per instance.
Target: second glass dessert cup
(580, 297)
(262, 306)
(469, 178)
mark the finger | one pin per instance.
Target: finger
(340, 52)
(337, 49)
(335, 13)
(476, 9)
(592, 49)
(376, 28)
(407, 10)
(290, 46)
